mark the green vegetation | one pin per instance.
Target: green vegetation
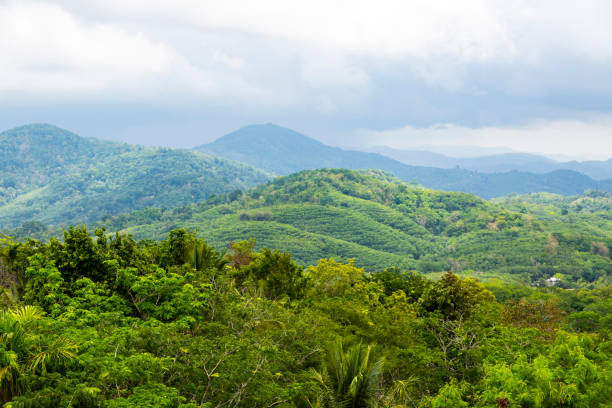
(283, 151)
(588, 214)
(107, 321)
(51, 176)
(381, 222)
(333, 288)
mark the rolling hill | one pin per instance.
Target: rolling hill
(382, 222)
(56, 177)
(283, 151)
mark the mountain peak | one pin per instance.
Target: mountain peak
(270, 147)
(37, 130)
(265, 134)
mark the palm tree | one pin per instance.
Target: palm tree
(349, 379)
(23, 351)
(203, 257)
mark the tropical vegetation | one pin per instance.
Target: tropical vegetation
(107, 321)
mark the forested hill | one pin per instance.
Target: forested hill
(34, 155)
(283, 151)
(381, 222)
(56, 177)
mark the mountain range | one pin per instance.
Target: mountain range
(498, 163)
(282, 151)
(56, 177)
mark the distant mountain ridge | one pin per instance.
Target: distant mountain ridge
(54, 176)
(283, 151)
(598, 170)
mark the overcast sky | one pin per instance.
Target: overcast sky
(528, 75)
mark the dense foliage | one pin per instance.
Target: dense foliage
(52, 176)
(381, 222)
(283, 151)
(106, 321)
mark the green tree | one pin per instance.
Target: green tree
(350, 379)
(277, 274)
(25, 351)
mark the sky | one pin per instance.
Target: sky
(525, 75)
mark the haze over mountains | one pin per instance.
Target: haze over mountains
(598, 170)
(283, 151)
(57, 177)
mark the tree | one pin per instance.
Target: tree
(453, 298)
(349, 379)
(203, 257)
(176, 249)
(544, 315)
(79, 256)
(25, 351)
(277, 274)
(331, 278)
(241, 253)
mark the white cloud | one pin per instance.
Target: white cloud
(590, 138)
(48, 52)
(44, 48)
(468, 29)
(85, 45)
(438, 38)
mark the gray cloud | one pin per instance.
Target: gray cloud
(140, 69)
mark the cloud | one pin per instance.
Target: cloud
(48, 52)
(441, 42)
(469, 29)
(589, 138)
(327, 66)
(44, 49)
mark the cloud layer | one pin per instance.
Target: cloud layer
(323, 67)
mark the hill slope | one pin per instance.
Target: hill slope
(54, 176)
(381, 222)
(283, 151)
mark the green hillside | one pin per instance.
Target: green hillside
(283, 151)
(589, 214)
(382, 222)
(56, 177)
(32, 156)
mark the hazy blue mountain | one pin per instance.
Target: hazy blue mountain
(283, 151)
(54, 176)
(598, 170)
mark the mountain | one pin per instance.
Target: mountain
(283, 151)
(380, 222)
(56, 177)
(598, 170)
